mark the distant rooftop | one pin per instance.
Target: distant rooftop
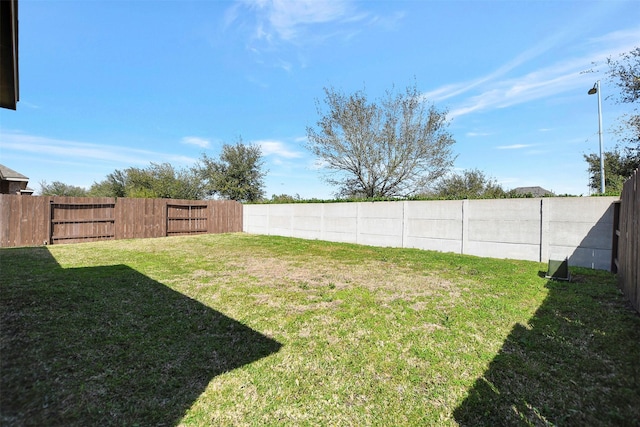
(12, 182)
(534, 191)
(9, 174)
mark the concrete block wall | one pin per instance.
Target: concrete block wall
(581, 229)
(340, 222)
(434, 226)
(528, 229)
(504, 230)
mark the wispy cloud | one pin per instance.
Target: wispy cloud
(284, 34)
(195, 140)
(513, 146)
(456, 89)
(63, 149)
(497, 91)
(286, 16)
(305, 22)
(476, 134)
(284, 19)
(317, 164)
(277, 148)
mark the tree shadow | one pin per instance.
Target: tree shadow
(107, 345)
(576, 362)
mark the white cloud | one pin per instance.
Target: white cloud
(493, 91)
(284, 18)
(626, 36)
(283, 33)
(298, 21)
(318, 164)
(475, 134)
(194, 140)
(513, 146)
(277, 148)
(83, 151)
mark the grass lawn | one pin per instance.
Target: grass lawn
(250, 330)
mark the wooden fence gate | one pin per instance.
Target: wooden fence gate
(186, 219)
(81, 222)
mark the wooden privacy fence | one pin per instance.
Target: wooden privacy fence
(628, 234)
(38, 220)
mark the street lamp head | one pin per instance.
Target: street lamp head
(593, 90)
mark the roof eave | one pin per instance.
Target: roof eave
(9, 87)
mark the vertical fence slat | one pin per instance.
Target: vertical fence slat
(629, 240)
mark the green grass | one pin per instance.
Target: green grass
(256, 330)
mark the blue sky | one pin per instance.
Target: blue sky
(106, 85)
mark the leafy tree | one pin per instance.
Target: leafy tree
(57, 188)
(237, 175)
(618, 167)
(155, 181)
(115, 185)
(624, 73)
(392, 147)
(285, 198)
(163, 181)
(470, 184)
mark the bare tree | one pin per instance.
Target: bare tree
(393, 147)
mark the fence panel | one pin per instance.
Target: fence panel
(38, 220)
(186, 219)
(628, 256)
(23, 220)
(81, 220)
(225, 216)
(140, 218)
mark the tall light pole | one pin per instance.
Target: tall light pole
(596, 89)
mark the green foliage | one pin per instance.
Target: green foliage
(470, 184)
(114, 185)
(155, 181)
(392, 147)
(624, 72)
(57, 188)
(285, 198)
(618, 167)
(237, 175)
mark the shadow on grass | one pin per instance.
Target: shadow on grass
(576, 362)
(107, 345)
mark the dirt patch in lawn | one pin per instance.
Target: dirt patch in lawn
(377, 276)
